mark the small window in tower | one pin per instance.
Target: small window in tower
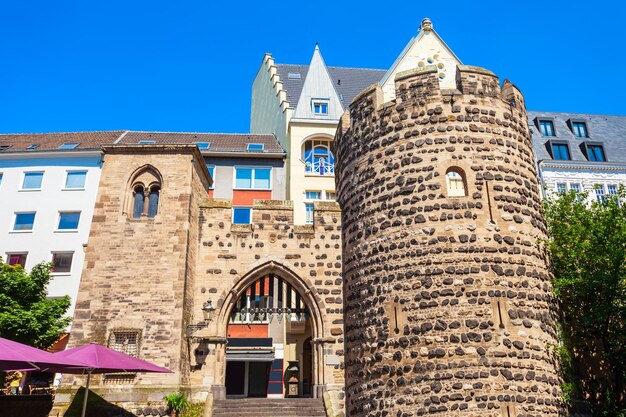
(455, 181)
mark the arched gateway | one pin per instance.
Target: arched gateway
(270, 322)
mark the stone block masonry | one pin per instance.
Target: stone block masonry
(448, 303)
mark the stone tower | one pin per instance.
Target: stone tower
(448, 305)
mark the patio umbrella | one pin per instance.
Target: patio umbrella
(17, 356)
(98, 359)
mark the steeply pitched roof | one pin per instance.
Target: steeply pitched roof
(219, 142)
(347, 81)
(17, 142)
(318, 84)
(610, 130)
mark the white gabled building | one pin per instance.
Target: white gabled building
(48, 187)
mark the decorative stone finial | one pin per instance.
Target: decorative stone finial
(427, 25)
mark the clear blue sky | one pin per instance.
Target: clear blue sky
(189, 65)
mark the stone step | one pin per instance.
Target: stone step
(266, 407)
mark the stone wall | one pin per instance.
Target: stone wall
(449, 308)
(138, 272)
(232, 256)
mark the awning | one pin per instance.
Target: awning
(250, 354)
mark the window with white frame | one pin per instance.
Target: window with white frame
(211, 169)
(611, 189)
(600, 195)
(68, 220)
(17, 258)
(71, 145)
(1, 178)
(574, 186)
(561, 187)
(320, 106)
(75, 180)
(62, 262)
(310, 196)
(32, 181)
(253, 178)
(24, 222)
(318, 159)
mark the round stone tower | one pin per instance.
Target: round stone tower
(448, 303)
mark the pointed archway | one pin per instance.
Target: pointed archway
(269, 318)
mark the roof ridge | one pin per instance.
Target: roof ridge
(201, 133)
(64, 133)
(578, 113)
(336, 66)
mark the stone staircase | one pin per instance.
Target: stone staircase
(265, 407)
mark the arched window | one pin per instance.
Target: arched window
(144, 193)
(318, 159)
(455, 181)
(153, 204)
(138, 200)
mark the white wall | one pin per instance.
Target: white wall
(587, 178)
(43, 240)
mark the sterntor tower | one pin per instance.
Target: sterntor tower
(448, 302)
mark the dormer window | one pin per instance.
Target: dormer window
(320, 106)
(33, 146)
(255, 146)
(580, 129)
(68, 146)
(546, 127)
(203, 145)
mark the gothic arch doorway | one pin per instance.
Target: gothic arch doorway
(271, 319)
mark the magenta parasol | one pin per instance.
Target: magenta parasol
(17, 356)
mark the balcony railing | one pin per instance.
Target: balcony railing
(320, 167)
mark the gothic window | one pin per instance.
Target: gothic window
(138, 202)
(318, 159)
(153, 206)
(455, 181)
(145, 192)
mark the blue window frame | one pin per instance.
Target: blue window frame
(255, 146)
(612, 189)
(560, 151)
(32, 181)
(247, 178)
(68, 146)
(242, 215)
(318, 159)
(580, 129)
(69, 220)
(203, 145)
(546, 127)
(24, 221)
(596, 153)
(75, 179)
(1, 178)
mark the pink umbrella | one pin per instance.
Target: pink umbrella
(97, 359)
(17, 356)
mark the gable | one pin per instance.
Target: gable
(318, 92)
(426, 48)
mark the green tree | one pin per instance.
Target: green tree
(588, 250)
(26, 315)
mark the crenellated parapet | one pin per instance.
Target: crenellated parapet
(448, 302)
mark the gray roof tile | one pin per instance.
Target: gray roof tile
(348, 81)
(610, 130)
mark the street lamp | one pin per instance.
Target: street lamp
(207, 310)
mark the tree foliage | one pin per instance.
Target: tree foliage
(588, 250)
(26, 315)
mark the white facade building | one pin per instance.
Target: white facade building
(580, 152)
(47, 198)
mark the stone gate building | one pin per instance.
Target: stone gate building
(449, 309)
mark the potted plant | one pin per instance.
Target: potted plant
(176, 403)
